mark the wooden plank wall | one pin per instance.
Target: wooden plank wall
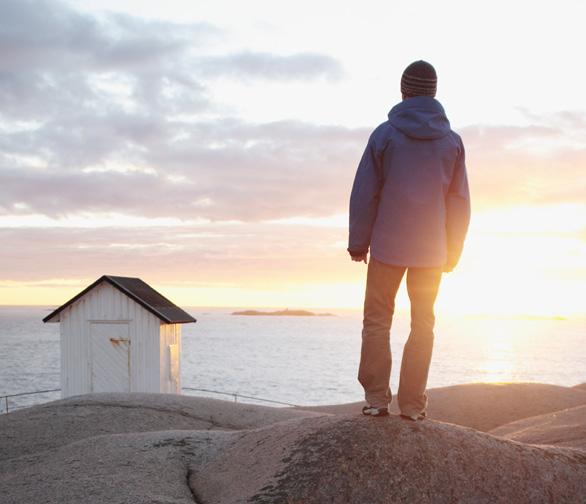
(105, 303)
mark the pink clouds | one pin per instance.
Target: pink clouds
(114, 115)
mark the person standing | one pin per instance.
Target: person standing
(410, 208)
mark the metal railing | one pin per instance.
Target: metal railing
(20, 394)
(234, 395)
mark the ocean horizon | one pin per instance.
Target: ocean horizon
(309, 360)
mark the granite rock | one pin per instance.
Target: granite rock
(484, 406)
(561, 428)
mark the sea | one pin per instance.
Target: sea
(309, 360)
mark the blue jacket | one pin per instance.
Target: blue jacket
(410, 201)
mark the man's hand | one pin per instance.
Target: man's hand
(360, 258)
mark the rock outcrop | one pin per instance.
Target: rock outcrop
(58, 423)
(154, 448)
(561, 428)
(485, 406)
(354, 459)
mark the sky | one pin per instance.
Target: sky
(210, 147)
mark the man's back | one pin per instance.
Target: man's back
(410, 200)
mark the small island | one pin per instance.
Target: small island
(282, 313)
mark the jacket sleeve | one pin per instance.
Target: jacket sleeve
(364, 199)
(457, 210)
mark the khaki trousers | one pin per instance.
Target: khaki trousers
(374, 373)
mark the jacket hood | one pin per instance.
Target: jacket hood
(421, 117)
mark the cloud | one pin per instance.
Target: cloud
(520, 165)
(102, 114)
(270, 66)
(113, 115)
(219, 171)
(59, 66)
(257, 254)
(54, 58)
(229, 169)
(53, 36)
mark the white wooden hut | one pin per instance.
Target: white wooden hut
(120, 335)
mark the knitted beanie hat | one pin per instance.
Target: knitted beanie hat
(419, 79)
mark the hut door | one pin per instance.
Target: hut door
(110, 357)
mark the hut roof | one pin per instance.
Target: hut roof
(138, 291)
